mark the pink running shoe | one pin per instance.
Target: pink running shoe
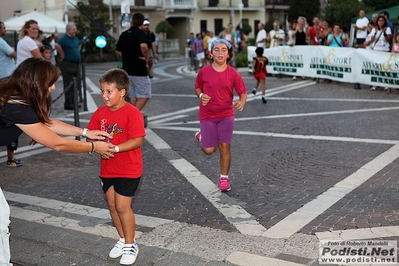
(198, 136)
(224, 184)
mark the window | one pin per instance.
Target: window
(218, 26)
(203, 25)
(256, 22)
(213, 3)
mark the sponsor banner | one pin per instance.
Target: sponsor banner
(340, 64)
(370, 252)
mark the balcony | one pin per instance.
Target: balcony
(180, 4)
(133, 3)
(228, 4)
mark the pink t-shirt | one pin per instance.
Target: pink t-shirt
(219, 86)
(123, 124)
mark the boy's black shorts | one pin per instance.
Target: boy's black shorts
(123, 186)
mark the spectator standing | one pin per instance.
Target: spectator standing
(325, 31)
(191, 52)
(276, 35)
(261, 37)
(228, 34)
(290, 39)
(314, 33)
(299, 33)
(70, 46)
(205, 38)
(238, 40)
(337, 37)
(132, 47)
(27, 46)
(46, 52)
(7, 55)
(210, 41)
(361, 34)
(374, 18)
(382, 35)
(7, 66)
(199, 51)
(395, 49)
(390, 25)
(152, 47)
(361, 27)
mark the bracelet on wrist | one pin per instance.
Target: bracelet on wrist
(200, 95)
(92, 148)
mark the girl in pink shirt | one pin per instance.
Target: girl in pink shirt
(215, 85)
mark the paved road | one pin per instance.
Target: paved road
(318, 161)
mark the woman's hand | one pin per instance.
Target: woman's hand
(105, 149)
(97, 135)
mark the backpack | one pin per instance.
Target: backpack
(260, 64)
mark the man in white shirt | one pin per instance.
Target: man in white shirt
(361, 27)
(261, 37)
(276, 35)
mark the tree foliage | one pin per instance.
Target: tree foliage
(98, 12)
(342, 11)
(380, 4)
(164, 27)
(246, 28)
(305, 8)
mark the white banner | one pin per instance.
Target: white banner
(336, 63)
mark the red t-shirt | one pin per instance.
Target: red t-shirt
(313, 38)
(219, 86)
(123, 124)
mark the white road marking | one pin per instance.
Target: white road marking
(246, 259)
(304, 215)
(68, 207)
(361, 233)
(247, 225)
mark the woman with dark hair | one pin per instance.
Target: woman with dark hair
(382, 35)
(25, 105)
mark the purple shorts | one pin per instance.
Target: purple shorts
(216, 131)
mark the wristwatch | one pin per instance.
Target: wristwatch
(116, 148)
(84, 132)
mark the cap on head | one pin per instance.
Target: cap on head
(146, 22)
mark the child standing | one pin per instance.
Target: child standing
(214, 86)
(46, 52)
(259, 71)
(120, 176)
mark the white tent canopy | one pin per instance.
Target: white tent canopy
(46, 23)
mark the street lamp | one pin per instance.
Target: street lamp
(240, 6)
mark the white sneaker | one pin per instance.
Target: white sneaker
(373, 88)
(129, 254)
(294, 77)
(116, 251)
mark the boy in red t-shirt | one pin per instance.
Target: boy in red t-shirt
(120, 176)
(259, 71)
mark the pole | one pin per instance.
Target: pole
(76, 104)
(84, 87)
(240, 6)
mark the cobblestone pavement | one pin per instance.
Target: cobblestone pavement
(308, 138)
